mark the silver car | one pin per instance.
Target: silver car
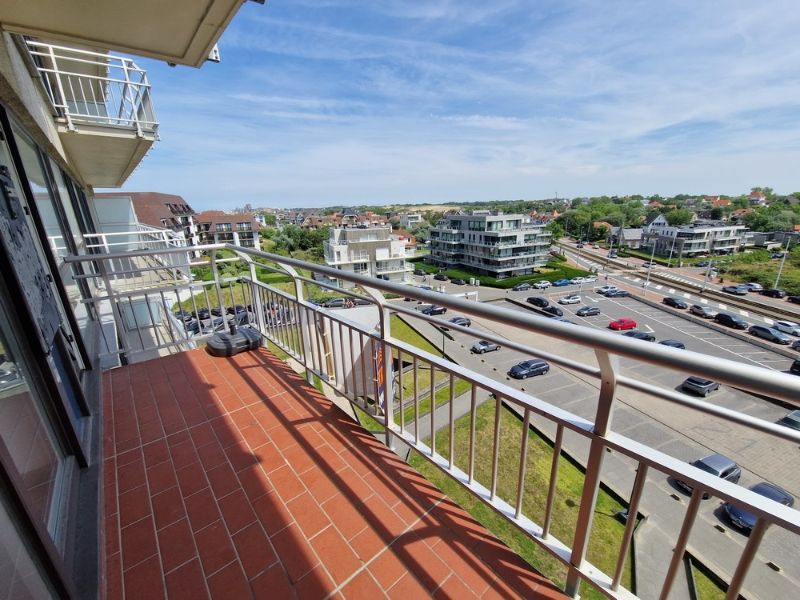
(702, 311)
(570, 300)
(787, 327)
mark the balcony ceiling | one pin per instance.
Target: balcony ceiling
(178, 31)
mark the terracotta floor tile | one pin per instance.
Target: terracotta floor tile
(144, 580)
(363, 585)
(202, 509)
(348, 521)
(131, 475)
(138, 542)
(215, 547)
(187, 582)
(314, 585)
(236, 511)
(407, 587)
(134, 505)
(161, 477)
(295, 552)
(155, 453)
(229, 582)
(191, 479)
(335, 553)
(168, 507)
(223, 480)
(308, 514)
(272, 513)
(176, 544)
(387, 569)
(454, 588)
(254, 550)
(272, 584)
(254, 482)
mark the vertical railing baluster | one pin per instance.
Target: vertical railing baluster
(746, 559)
(473, 408)
(416, 400)
(452, 422)
(523, 462)
(496, 446)
(551, 490)
(630, 524)
(400, 390)
(432, 410)
(683, 539)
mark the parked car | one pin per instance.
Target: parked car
(577, 280)
(770, 334)
(561, 282)
(541, 285)
(618, 294)
(434, 310)
(675, 302)
(673, 344)
(640, 335)
(791, 420)
(589, 279)
(440, 277)
(335, 303)
(795, 345)
(699, 385)
(553, 310)
(787, 327)
(588, 311)
(184, 315)
(649, 264)
(718, 465)
(703, 311)
(596, 246)
(702, 263)
(538, 301)
(743, 518)
(776, 255)
(736, 290)
(754, 286)
(623, 323)
(522, 287)
(483, 346)
(458, 282)
(730, 320)
(773, 293)
(529, 368)
(604, 289)
(612, 254)
(793, 299)
(463, 321)
(419, 272)
(795, 368)
(573, 299)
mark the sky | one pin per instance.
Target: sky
(344, 102)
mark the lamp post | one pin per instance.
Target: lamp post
(783, 260)
(671, 250)
(649, 268)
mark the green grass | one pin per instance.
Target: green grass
(606, 531)
(707, 588)
(555, 269)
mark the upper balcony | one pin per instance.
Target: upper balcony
(208, 458)
(103, 110)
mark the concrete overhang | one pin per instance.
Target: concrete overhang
(177, 31)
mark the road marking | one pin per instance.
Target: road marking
(648, 329)
(671, 291)
(658, 287)
(723, 306)
(703, 301)
(768, 321)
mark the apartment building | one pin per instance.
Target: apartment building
(218, 227)
(372, 251)
(700, 237)
(114, 211)
(410, 220)
(490, 243)
(74, 115)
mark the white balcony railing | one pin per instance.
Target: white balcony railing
(93, 88)
(353, 359)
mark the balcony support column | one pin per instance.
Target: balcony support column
(594, 466)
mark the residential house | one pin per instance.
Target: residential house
(410, 220)
(218, 227)
(114, 211)
(625, 237)
(372, 251)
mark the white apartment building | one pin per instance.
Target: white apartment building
(490, 243)
(410, 220)
(697, 238)
(372, 251)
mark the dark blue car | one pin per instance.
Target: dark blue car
(744, 519)
(561, 282)
(529, 368)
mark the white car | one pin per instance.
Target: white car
(606, 288)
(540, 285)
(787, 327)
(570, 300)
(754, 287)
(589, 279)
(578, 280)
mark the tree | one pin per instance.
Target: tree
(556, 229)
(270, 220)
(678, 216)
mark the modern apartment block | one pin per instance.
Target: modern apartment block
(490, 243)
(114, 211)
(410, 220)
(372, 251)
(697, 238)
(218, 227)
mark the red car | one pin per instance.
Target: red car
(623, 323)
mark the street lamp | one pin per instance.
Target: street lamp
(671, 250)
(649, 268)
(783, 260)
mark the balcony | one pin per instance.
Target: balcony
(102, 107)
(237, 405)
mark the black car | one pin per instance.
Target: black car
(793, 299)
(640, 335)
(538, 301)
(463, 321)
(529, 368)
(699, 385)
(458, 282)
(588, 311)
(434, 310)
(675, 302)
(773, 293)
(791, 420)
(795, 368)
(731, 320)
(718, 465)
(419, 272)
(184, 315)
(522, 287)
(440, 277)
(618, 294)
(770, 334)
(673, 344)
(744, 519)
(553, 310)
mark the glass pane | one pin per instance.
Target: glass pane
(19, 577)
(66, 204)
(26, 436)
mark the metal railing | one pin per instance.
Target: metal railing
(93, 88)
(396, 381)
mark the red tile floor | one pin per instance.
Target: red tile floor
(233, 478)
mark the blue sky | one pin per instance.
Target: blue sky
(323, 102)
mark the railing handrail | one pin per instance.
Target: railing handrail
(747, 377)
